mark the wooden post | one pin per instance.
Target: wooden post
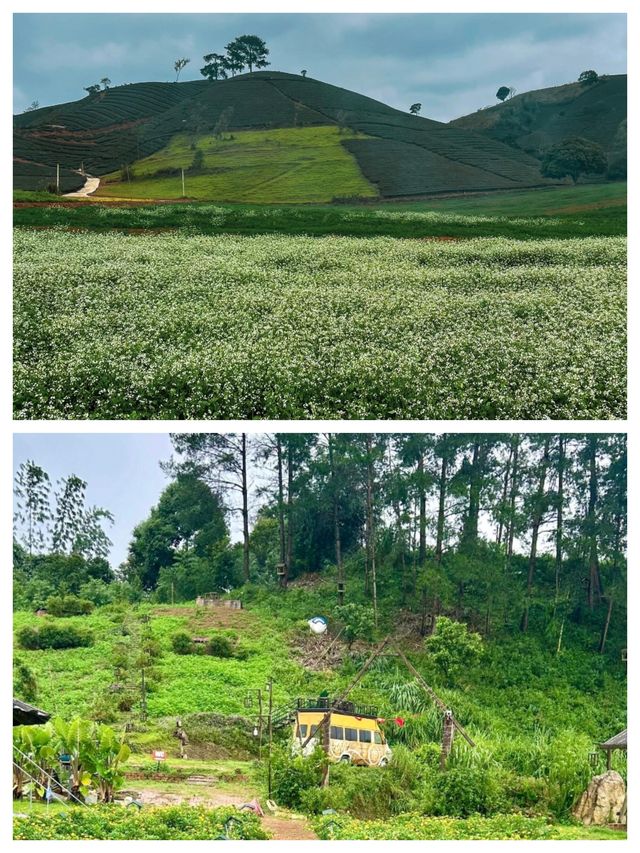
(183, 194)
(143, 702)
(58, 178)
(448, 731)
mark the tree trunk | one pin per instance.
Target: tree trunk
(469, 536)
(559, 519)
(336, 524)
(245, 511)
(505, 491)
(289, 559)
(442, 498)
(281, 528)
(594, 588)
(370, 530)
(538, 514)
(422, 497)
(513, 495)
(605, 629)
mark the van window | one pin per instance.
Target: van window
(351, 734)
(377, 737)
(337, 733)
(302, 731)
(365, 736)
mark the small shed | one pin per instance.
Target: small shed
(618, 741)
(28, 715)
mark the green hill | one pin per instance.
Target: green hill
(535, 120)
(384, 151)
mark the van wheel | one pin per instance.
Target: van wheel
(383, 762)
(345, 759)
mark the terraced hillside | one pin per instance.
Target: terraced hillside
(535, 120)
(395, 154)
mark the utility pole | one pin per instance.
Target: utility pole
(183, 193)
(58, 178)
(172, 591)
(270, 689)
(260, 725)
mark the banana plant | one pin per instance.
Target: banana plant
(74, 739)
(36, 742)
(108, 753)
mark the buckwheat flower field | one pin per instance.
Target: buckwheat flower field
(178, 325)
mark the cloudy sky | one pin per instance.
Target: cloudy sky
(452, 63)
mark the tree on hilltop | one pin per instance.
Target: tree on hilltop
(588, 78)
(215, 67)
(505, 92)
(105, 83)
(414, 109)
(574, 157)
(250, 50)
(178, 65)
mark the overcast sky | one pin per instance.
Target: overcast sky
(452, 63)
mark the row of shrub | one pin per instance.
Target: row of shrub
(220, 645)
(69, 605)
(168, 823)
(52, 635)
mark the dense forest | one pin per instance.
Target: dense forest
(507, 532)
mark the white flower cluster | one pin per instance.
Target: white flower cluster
(175, 326)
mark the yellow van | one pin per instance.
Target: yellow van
(354, 734)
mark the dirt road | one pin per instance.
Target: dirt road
(90, 186)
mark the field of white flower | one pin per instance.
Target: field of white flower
(184, 326)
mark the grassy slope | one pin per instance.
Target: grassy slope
(285, 165)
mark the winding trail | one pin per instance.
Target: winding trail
(90, 186)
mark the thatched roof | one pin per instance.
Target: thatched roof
(28, 715)
(618, 741)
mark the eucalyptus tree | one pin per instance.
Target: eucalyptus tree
(32, 488)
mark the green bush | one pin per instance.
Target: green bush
(452, 647)
(68, 605)
(293, 775)
(182, 644)
(358, 622)
(463, 791)
(51, 635)
(220, 646)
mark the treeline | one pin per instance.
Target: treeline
(504, 531)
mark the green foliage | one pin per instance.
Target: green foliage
(220, 646)
(68, 605)
(453, 648)
(117, 823)
(25, 684)
(52, 635)
(182, 644)
(358, 622)
(294, 775)
(464, 791)
(414, 827)
(588, 78)
(574, 157)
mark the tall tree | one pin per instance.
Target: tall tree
(32, 488)
(215, 67)
(221, 461)
(250, 50)
(539, 506)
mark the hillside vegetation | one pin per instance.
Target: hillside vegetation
(533, 121)
(285, 165)
(402, 154)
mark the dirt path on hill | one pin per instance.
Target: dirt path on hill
(90, 186)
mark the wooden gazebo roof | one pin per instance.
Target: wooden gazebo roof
(28, 715)
(618, 741)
